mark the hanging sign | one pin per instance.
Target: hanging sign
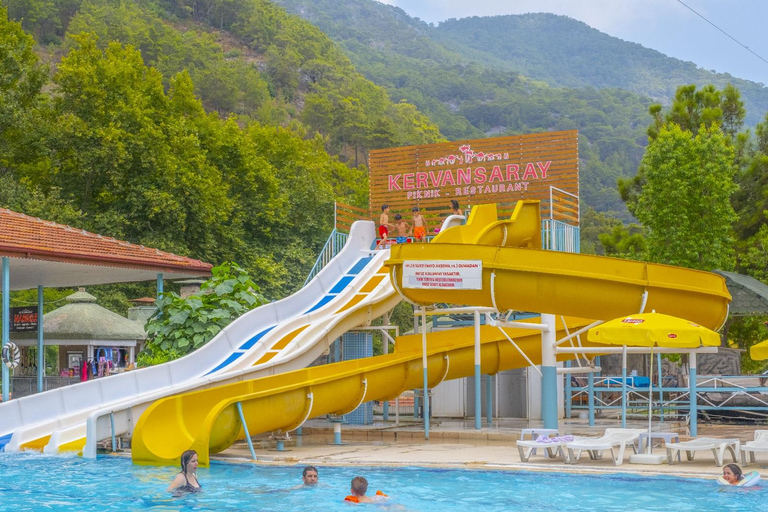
(449, 274)
(23, 319)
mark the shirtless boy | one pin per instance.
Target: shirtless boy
(419, 225)
(384, 225)
(401, 229)
(358, 489)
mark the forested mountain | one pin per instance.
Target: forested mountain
(568, 53)
(218, 130)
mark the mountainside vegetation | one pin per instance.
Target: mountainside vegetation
(216, 130)
(226, 130)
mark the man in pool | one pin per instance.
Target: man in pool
(309, 475)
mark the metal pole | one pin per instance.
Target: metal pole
(337, 433)
(692, 385)
(661, 390)
(6, 322)
(40, 347)
(549, 372)
(568, 392)
(591, 394)
(112, 426)
(385, 407)
(624, 388)
(489, 399)
(478, 391)
(424, 365)
(245, 428)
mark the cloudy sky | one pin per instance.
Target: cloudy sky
(664, 25)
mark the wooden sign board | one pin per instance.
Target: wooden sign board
(499, 170)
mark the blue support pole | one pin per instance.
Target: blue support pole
(549, 372)
(489, 399)
(478, 388)
(112, 426)
(337, 433)
(693, 394)
(280, 446)
(40, 347)
(159, 286)
(6, 322)
(568, 392)
(424, 366)
(591, 393)
(624, 388)
(415, 404)
(245, 429)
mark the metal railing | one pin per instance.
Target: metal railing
(331, 248)
(559, 236)
(713, 393)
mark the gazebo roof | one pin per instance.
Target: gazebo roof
(48, 254)
(83, 320)
(750, 296)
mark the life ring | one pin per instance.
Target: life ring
(11, 355)
(750, 479)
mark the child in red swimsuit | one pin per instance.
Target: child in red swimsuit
(384, 225)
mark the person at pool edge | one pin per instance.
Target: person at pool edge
(187, 481)
(732, 474)
(309, 475)
(358, 489)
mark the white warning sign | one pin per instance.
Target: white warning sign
(451, 274)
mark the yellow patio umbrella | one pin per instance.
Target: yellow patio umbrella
(759, 351)
(653, 330)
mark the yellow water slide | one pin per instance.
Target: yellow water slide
(207, 420)
(516, 275)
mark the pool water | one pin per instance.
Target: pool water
(35, 482)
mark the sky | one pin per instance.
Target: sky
(664, 25)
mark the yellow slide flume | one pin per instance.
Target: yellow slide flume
(207, 420)
(516, 276)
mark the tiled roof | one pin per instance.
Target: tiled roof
(750, 296)
(22, 236)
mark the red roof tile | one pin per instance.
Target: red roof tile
(22, 236)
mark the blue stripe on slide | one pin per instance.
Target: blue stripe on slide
(4, 440)
(251, 342)
(360, 265)
(343, 282)
(226, 362)
(325, 300)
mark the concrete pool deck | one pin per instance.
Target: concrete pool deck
(456, 444)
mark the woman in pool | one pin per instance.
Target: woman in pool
(732, 474)
(186, 481)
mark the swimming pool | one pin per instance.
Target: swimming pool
(34, 482)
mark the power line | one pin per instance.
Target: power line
(723, 31)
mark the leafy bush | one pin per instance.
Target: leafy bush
(180, 326)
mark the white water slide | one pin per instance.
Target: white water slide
(282, 336)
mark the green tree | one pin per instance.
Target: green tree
(21, 79)
(685, 202)
(180, 326)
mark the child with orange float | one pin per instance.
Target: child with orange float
(358, 489)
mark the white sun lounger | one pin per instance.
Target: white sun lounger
(529, 447)
(759, 445)
(612, 439)
(717, 445)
